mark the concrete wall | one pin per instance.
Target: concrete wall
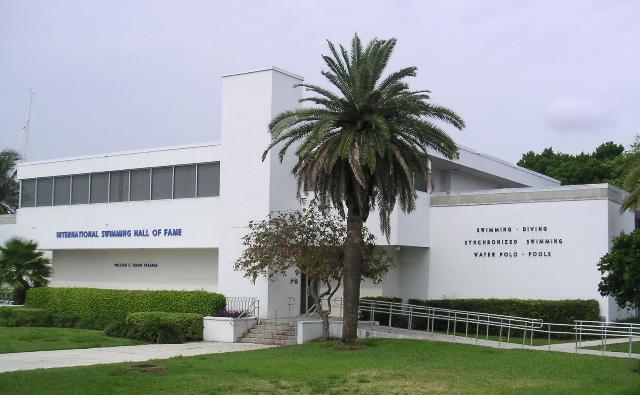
(186, 269)
(250, 100)
(458, 268)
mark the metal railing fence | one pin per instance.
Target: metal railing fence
(247, 306)
(498, 327)
(6, 296)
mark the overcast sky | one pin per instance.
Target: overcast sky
(119, 75)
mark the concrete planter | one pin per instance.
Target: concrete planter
(312, 329)
(225, 329)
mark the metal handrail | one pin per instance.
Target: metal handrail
(477, 322)
(248, 306)
(6, 296)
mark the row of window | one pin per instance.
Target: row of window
(169, 182)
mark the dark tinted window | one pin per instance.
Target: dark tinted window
(140, 184)
(99, 187)
(119, 186)
(61, 190)
(184, 184)
(44, 192)
(80, 189)
(208, 179)
(28, 197)
(419, 182)
(162, 183)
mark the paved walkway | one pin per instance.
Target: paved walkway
(93, 356)
(379, 331)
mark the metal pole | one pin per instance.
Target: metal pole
(455, 323)
(532, 330)
(25, 128)
(466, 329)
(549, 333)
(630, 343)
(605, 339)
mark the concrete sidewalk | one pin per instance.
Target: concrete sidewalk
(93, 356)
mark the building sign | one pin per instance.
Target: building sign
(513, 242)
(135, 265)
(121, 233)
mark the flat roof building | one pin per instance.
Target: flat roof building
(173, 217)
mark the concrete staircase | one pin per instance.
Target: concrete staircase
(272, 333)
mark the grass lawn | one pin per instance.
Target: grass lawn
(24, 339)
(619, 347)
(385, 366)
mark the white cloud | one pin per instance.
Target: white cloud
(576, 115)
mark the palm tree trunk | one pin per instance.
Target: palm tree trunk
(352, 274)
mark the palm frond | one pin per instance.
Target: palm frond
(364, 139)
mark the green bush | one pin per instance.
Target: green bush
(116, 328)
(160, 327)
(553, 311)
(110, 303)
(550, 311)
(24, 316)
(27, 316)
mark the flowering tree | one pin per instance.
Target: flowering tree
(307, 242)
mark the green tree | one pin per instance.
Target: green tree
(9, 186)
(360, 145)
(307, 242)
(620, 271)
(23, 266)
(609, 163)
(632, 179)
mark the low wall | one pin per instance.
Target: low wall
(225, 329)
(311, 330)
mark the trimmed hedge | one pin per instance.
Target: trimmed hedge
(26, 316)
(99, 302)
(159, 327)
(553, 311)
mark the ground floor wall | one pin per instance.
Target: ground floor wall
(179, 269)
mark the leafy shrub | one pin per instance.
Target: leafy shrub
(550, 311)
(116, 328)
(24, 316)
(160, 327)
(27, 316)
(110, 303)
(553, 311)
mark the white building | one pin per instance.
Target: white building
(172, 218)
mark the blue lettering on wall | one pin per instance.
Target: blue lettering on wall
(119, 233)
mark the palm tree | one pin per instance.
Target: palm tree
(632, 184)
(23, 266)
(360, 147)
(9, 187)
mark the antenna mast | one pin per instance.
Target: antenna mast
(27, 123)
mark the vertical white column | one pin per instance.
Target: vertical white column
(249, 101)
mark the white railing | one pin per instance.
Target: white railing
(248, 307)
(503, 327)
(6, 296)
